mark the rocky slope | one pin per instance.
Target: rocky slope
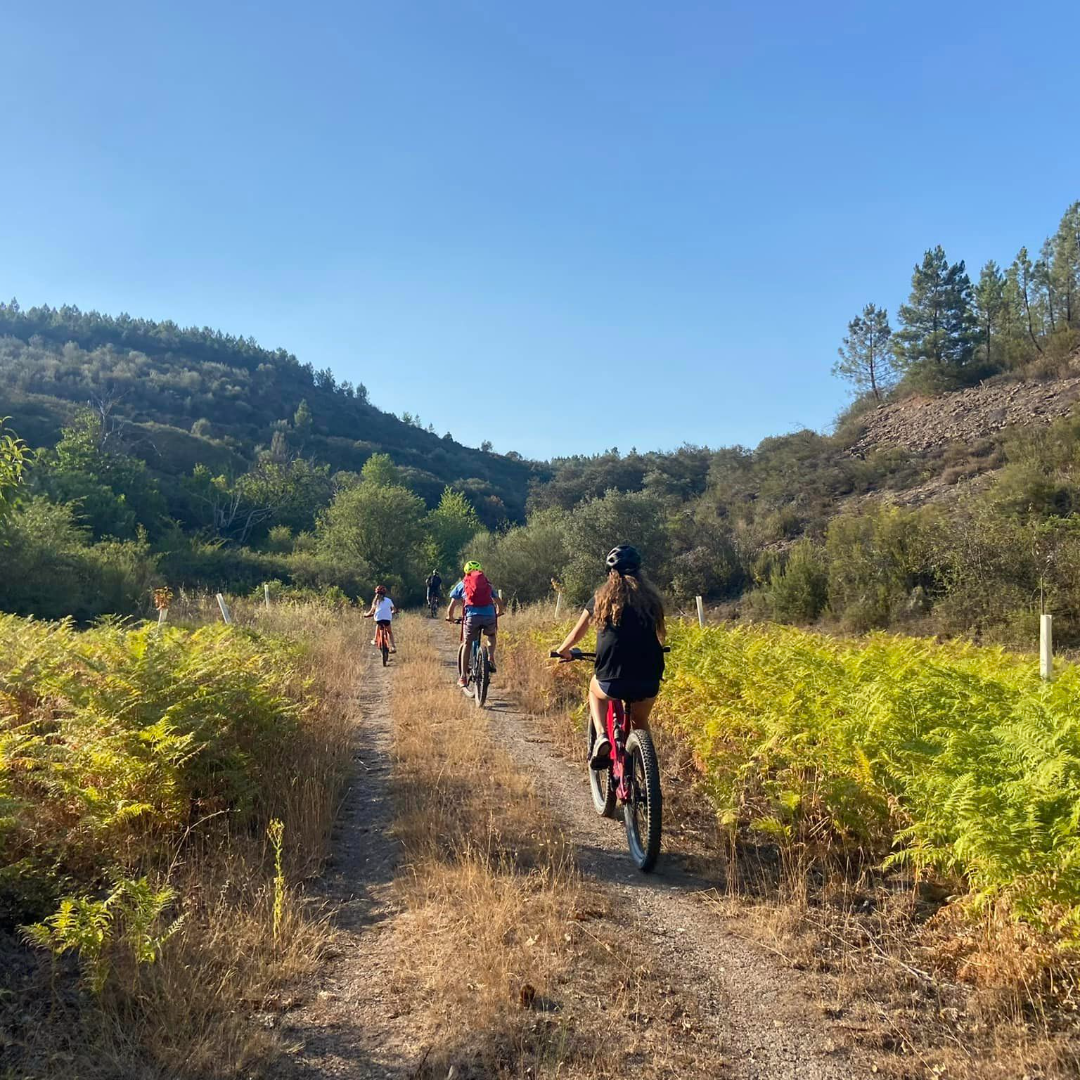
(922, 425)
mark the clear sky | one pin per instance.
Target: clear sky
(562, 226)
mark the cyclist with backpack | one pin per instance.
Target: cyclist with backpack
(482, 608)
(628, 613)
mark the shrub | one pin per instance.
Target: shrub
(798, 590)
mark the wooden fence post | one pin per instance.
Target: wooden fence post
(224, 608)
(700, 611)
(1046, 647)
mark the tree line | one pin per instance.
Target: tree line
(952, 333)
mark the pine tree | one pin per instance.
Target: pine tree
(302, 421)
(865, 359)
(1065, 265)
(989, 309)
(1024, 273)
(935, 344)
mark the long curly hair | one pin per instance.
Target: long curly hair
(634, 592)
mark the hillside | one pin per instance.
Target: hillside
(196, 395)
(922, 425)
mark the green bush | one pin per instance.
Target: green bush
(798, 590)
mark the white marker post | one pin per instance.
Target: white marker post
(266, 594)
(558, 603)
(1046, 647)
(162, 615)
(700, 611)
(224, 609)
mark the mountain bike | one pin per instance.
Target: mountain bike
(631, 780)
(382, 640)
(433, 604)
(478, 676)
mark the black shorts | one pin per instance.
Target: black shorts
(383, 622)
(630, 689)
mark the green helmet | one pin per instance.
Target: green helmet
(472, 565)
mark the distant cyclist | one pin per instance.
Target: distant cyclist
(629, 616)
(434, 587)
(382, 610)
(482, 606)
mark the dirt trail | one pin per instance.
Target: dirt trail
(350, 1026)
(354, 1023)
(771, 1029)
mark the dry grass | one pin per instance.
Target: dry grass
(938, 993)
(520, 967)
(206, 1006)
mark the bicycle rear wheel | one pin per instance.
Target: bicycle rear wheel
(385, 650)
(481, 676)
(644, 810)
(601, 781)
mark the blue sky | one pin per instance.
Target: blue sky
(559, 226)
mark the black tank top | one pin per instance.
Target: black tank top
(630, 650)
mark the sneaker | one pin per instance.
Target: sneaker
(374, 642)
(491, 667)
(601, 755)
(463, 683)
(392, 649)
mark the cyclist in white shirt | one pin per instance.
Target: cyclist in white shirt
(383, 611)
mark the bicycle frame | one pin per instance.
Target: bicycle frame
(619, 724)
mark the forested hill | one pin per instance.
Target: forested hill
(198, 396)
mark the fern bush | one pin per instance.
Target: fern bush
(114, 740)
(948, 758)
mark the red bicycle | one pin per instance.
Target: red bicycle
(631, 780)
(382, 640)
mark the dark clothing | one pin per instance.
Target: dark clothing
(385, 623)
(630, 651)
(629, 689)
(434, 585)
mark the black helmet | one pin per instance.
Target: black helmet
(624, 559)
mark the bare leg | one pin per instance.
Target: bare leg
(640, 712)
(491, 647)
(390, 635)
(598, 703)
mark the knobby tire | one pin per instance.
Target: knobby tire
(644, 812)
(601, 782)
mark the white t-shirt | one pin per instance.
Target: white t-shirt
(384, 610)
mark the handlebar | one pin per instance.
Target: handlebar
(577, 654)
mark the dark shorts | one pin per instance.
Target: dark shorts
(474, 624)
(383, 622)
(630, 689)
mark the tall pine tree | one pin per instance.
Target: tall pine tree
(865, 359)
(935, 345)
(990, 312)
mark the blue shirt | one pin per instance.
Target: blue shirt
(458, 593)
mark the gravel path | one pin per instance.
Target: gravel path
(350, 1026)
(772, 1031)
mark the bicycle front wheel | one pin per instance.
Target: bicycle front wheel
(643, 812)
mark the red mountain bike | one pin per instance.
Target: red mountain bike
(632, 779)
